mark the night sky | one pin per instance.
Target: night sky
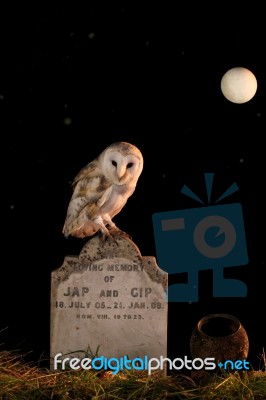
(74, 80)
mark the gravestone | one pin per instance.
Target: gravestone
(109, 301)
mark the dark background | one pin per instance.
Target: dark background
(73, 80)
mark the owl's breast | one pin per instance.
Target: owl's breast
(117, 198)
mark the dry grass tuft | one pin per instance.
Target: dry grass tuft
(22, 381)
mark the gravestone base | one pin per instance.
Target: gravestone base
(109, 301)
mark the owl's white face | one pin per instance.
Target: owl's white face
(122, 165)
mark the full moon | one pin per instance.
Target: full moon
(239, 85)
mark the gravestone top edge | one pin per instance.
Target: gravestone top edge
(117, 246)
(118, 250)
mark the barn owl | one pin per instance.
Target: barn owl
(101, 189)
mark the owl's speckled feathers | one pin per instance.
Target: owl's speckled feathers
(101, 189)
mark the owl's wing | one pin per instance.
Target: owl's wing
(89, 171)
(91, 190)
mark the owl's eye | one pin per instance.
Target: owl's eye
(114, 163)
(129, 165)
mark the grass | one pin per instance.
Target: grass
(22, 381)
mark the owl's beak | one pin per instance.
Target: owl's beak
(121, 172)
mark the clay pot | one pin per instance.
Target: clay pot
(221, 336)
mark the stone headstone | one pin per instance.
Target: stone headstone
(109, 301)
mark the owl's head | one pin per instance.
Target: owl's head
(122, 163)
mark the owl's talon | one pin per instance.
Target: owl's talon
(103, 236)
(108, 237)
(119, 232)
(114, 240)
(125, 234)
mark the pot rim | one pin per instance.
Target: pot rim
(206, 318)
